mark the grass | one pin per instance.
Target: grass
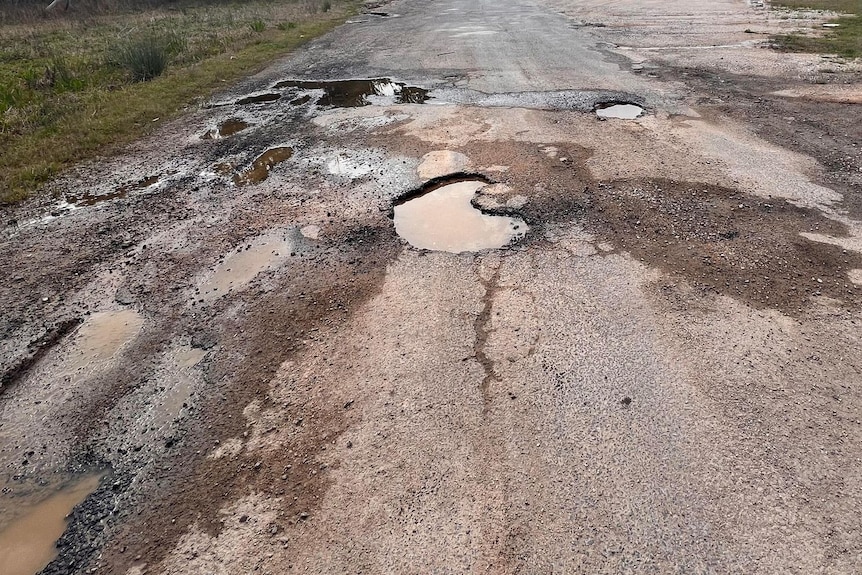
(75, 87)
(845, 40)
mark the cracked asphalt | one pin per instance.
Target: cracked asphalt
(662, 376)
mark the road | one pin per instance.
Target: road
(661, 375)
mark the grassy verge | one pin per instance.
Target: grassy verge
(844, 40)
(69, 91)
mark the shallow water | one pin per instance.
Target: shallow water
(356, 93)
(259, 169)
(445, 220)
(226, 129)
(99, 339)
(240, 267)
(28, 541)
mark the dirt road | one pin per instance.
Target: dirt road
(658, 371)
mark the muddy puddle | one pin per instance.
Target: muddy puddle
(619, 111)
(87, 199)
(28, 534)
(357, 93)
(260, 167)
(266, 98)
(238, 269)
(101, 336)
(226, 129)
(444, 219)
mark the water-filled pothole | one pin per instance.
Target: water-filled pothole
(28, 541)
(259, 169)
(226, 129)
(619, 111)
(88, 199)
(258, 99)
(441, 217)
(356, 93)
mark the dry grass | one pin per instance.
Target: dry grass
(65, 94)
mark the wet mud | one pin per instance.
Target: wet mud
(322, 290)
(721, 241)
(36, 350)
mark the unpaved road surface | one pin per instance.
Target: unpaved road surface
(662, 375)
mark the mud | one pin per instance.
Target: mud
(36, 350)
(321, 292)
(270, 389)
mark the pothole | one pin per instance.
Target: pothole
(265, 98)
(357, 93)
(441, 217)
(619, 111)
(260, 167)
(237, 270)
(87, 199)
(28, 541)
(226, 129)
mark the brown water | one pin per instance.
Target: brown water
(226, 129)
(87, 199)
(445, 220)
(259, 170)
(27, 542)
(240, 267)
(356, 93)
(100, 338)
(258, 99)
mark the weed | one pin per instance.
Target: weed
(327, 6)
(286, 25)
(144, 58)
(258, 25)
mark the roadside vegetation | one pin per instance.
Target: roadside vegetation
(844, 39)
(77, 83)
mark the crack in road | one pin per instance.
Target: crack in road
(482, 329)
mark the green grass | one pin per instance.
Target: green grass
(845, 40)
(66, 94)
